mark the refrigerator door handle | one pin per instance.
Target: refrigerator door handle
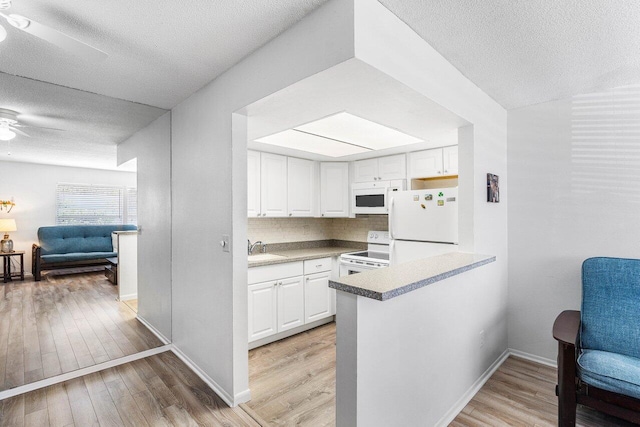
(392, 247)
(391, 204)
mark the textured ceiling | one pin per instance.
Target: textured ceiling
(523, 52)
(92, 125)
(160, 52)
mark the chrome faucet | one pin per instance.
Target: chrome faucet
(251, 247)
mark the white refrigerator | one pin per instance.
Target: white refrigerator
(423, 223)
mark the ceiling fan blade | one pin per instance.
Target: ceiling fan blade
(57, 38)
(39, 127)
(19, 132)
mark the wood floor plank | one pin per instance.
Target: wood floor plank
(103, 405)
(58, 406)
(37, 419)
(13, 411)
(80, 402)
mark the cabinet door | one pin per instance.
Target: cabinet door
(262, 310)
(301, 187)
(290, 303)
(334, 189)
(253, 184)
(425, 164)
(450, 160)
(318, 302)
(273, 185)
(365, 170)
(392, 167)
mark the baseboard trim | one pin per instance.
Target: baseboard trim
(452, 413)
(229, 400)
(81, 372)
(533, 358)
(153, 330)
(128, 297)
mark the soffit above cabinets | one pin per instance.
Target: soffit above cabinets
(349, 112)
(340, 135)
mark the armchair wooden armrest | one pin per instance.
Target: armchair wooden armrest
(566, 327)
(565, 331)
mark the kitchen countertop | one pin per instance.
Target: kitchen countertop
(299, 255)
(386, 283)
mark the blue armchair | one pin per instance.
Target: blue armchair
(599, 346)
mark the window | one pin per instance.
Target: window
(95, 205)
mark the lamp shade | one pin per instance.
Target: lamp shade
(8, 225)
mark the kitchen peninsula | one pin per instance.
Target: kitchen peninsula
(401, 334)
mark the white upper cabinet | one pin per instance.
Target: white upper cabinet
(380, 169)
(365, 170)
(301, 187)
(450, 160)
(334, 189)
(433, 163)
(273, 183)
(392, 167)
(253, 184)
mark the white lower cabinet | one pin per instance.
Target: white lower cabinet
(288, 296)
(290, 303)
(318, 297)
(262, 310)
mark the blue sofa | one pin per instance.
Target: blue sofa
(67, 246)
(599, 346)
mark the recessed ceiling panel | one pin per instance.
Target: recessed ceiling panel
(358, 131)
(311, 143)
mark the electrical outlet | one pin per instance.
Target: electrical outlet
(482, 338)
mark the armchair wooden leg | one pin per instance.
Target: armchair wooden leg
(566, 390)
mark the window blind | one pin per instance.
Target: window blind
(95, 205)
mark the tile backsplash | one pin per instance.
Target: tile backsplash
(281, 230)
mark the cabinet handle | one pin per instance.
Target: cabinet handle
(379, 178)
(319, 265)
(307, 279)
(322, 214)
(445, 171)
(439, 172)
(290, 214)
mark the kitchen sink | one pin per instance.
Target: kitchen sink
(265, 257)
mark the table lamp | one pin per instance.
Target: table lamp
(6, 225)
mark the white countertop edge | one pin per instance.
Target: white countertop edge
(409, 287)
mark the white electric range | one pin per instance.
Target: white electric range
(376, 255)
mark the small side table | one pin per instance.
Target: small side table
(111, 271)
(8, 275)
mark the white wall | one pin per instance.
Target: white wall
(209, 192)
(33, 187)
(574, 170)
(152, 148)
(385, 42)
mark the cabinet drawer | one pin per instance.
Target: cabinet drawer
(317, 265)
(274, 272)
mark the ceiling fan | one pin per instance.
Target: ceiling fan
(48, 34)
(10, 125)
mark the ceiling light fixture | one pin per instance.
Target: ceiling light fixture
(6, 134)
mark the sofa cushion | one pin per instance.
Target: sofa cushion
(610, 371)
(77, 256)
(65, 239)
(610, 318)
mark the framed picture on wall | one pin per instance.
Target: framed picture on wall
(493, 188)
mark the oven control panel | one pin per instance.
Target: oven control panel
(379, 237)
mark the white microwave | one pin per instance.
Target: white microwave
(373, 197)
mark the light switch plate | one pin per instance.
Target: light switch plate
(225, 243)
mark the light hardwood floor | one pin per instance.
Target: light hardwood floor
(156, 391)
(292, 383)
(63, 323)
